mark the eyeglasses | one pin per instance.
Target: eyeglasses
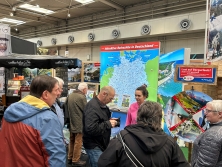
(207, 111)
(110, 98)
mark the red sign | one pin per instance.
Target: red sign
(134, 46)
(97, 64)
(196, 72)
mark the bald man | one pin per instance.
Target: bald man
(97, 124)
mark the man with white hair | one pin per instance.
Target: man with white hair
(56, 107)
(76, 103)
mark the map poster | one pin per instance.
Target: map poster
(125, 67)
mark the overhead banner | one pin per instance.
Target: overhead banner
(128, 66)
(5, 49)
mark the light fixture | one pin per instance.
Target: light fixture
(68, 15)
(85, 1)
(16, 29)
(14, 8)
(36, 9)
(14, 21)
(11, 14)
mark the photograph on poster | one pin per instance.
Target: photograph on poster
(184, 114)
(30, 73)
(91, 72)
(215, 31)
(74, 75)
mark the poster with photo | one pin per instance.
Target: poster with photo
(30, 73)
(91, 72)
(74, 75)
(214, 50)
(184, 114)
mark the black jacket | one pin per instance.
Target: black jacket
(152, 149)
(96, 125)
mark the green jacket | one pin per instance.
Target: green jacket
(76, 103)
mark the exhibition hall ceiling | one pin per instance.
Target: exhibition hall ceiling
(59, 16)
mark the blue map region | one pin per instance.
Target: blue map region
(129, 71)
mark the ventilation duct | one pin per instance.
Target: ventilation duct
(185, 24)
(91, 36)
(115, 33)
(71, 39)
(145, 30)
(39, 43)
(53, 41)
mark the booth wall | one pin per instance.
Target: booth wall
(159, 28)
(193, 41)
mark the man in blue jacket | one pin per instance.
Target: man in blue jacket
(31, 133)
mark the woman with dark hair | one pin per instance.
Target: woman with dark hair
(144, 144)
(141, 94)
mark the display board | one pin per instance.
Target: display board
(196, 74)
(91, 72)
(128, 66)
(166, 85)
(5, 48)
(184, 114)
(214, 35)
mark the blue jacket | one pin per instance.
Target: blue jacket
(31, 135)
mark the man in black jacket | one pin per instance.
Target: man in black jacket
(97, 124)
(148, 143)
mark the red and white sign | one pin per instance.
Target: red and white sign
(136, 46)
(195, 72)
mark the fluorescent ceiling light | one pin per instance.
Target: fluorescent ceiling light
(85, 1)
(36, 9)
(7, 20)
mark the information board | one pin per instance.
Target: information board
(198, 74)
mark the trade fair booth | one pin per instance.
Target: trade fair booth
(16, 85)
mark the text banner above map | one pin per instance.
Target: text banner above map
(134, 46)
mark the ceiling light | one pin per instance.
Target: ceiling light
(68, 15)
(14, 8)
(7, 20)
(36, 9)
(16, 29)
(11, 14)
(85, 1)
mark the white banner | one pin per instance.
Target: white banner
(5, 49)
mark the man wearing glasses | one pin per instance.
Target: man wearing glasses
(31, 134)
(207, 146)
(97, 124)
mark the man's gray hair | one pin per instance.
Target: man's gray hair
(82, 86)
(150, 114)
(216, 105)
(61, 82)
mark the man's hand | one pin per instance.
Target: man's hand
(113, 122)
